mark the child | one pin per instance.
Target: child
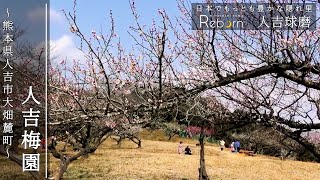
(222, 144)
(232, 147)
(180, 148)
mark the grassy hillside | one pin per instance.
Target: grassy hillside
(158, 159)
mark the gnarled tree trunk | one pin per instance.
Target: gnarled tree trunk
(14, 157)
(202, 169)
(136, 140)
(64, 163)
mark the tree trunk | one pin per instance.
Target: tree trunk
(139, 143)
(119, 141)
(64, 163)
(202, 170)
(14, 157)
(64, 147)
(136, 140)
(15, 145)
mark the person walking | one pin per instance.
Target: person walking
(180, 148)
(232, 149)
(222, 144)
(237, 144)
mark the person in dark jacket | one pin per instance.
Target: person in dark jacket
(187, 150)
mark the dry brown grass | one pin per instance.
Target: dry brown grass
(158, 159)
(13, 171)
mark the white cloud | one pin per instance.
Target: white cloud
(63, 48)
(56, 16)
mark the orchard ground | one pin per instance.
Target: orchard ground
(158, 159)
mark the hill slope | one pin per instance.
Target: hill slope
(159, 160)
